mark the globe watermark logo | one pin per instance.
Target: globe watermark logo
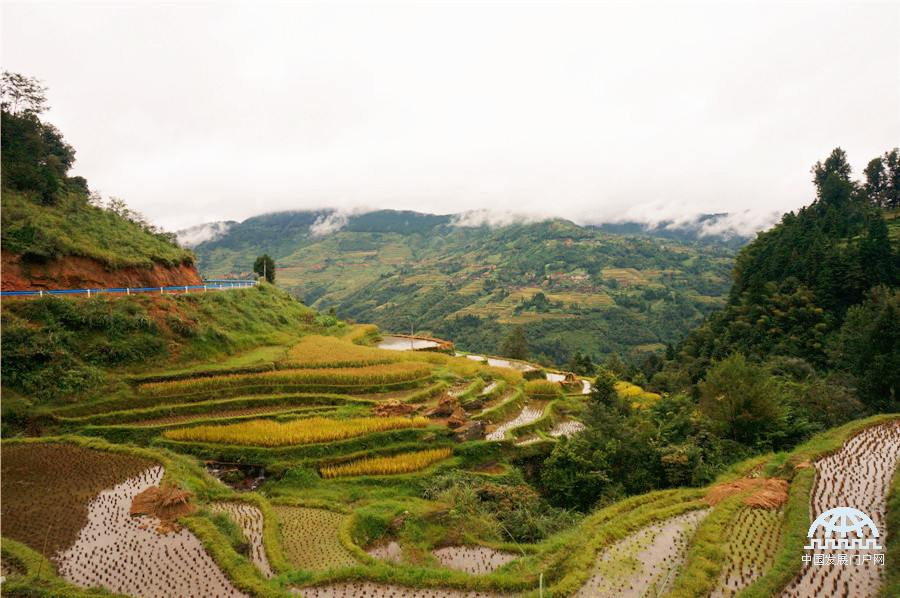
(835, 525)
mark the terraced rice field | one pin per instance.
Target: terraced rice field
(566, 427)
(390, 551)
(250, 519)
(526, 415)
(310, 538)
(647, 558)
(248, 412)
(304, 431)
(475, 560)
(46, 490)
(126, 555)
(859, 475)
(752, 543)
(529, 439)
(358, 589)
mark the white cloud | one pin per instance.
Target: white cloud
(328, 224)
(198, 112)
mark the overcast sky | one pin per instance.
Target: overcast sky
(592, 111)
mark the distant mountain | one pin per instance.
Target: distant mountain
(730, 229)
(571, 287)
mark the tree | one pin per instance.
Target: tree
(581, 364)
(516, 345)
(835, 164)
(23, 95)
(869, 345)
(265, 267)
(738, 394)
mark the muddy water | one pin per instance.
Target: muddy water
(528, 414)
(556, 377)
(396, 343)
(250, 518)
(374, 590)
(630, 567)
(752, 543)
(475, 560)
(46, 490)
(487, 389)
(386, 552)
(858, 476)
(566, 427)
(504, 363)
(113, 551)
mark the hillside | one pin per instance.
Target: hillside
(569, 287)
(819, 294)
(57, 235)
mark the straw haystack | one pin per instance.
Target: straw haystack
(165, 504)
(768, 493)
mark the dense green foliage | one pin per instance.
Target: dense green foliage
(570, 288)
(56, 346)
(821, 287)
(47, 215)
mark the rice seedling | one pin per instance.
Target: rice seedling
(397, 464)
(859, 474)
(387, 373)
(313, 430)
(750, 551)
(48, 485)
(74, 502)
(353, 589)
(475, 560)
(250, 519)
(390, 551)
(566, 427)
(311, 538)
(526, 415)
(128, 556)
(643, 560)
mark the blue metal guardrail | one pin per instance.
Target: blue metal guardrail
(207, 285)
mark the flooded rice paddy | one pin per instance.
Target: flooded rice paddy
(526, 415)
(310, 538)
(647, 558)
(752, 543)
(859, 475)
(126, 555)
(250, 519)
(566, 427)
(47, 488)
(475, 560)
(390, 551)
(373, 590)
(79, 500)
(397, 343)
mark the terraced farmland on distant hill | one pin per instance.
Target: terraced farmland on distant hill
(572, 288)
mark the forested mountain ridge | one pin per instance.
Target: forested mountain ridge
(820, 287)
(570, 287)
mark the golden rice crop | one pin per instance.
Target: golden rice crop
(316, 350)
(376, 374)
(260, 432)
(542, 387)
(403, 463)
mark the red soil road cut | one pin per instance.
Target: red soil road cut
(80, 273)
